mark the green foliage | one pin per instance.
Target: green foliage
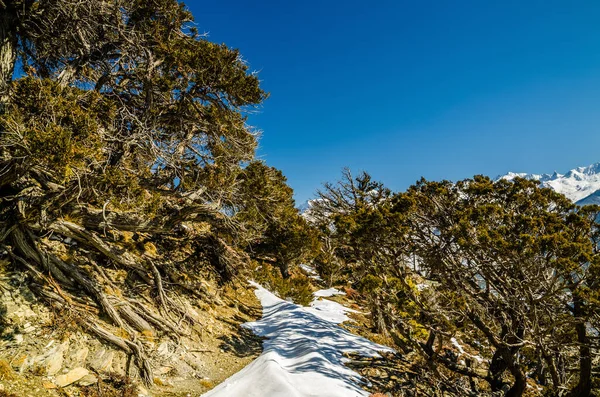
(330, 268)
(349, 216)
(127, 133)
(142, 91)
(297, 287)
(55, 127)
(370, 284)
(506, 266)
(274, 226)
(126, 108)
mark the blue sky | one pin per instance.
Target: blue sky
(403, 89)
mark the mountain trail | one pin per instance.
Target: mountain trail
(303, 352)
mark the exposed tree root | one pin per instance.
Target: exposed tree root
(78, 279)
(89, 160)
(132, 347)
(160, 292)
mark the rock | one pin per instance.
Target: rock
(54, 363)
(163, 349)
(88, 380)
(72, 376)
(53, 360)
(48, 385)
(16, 311)
(80, 356)
(104, 362)
(119, 364)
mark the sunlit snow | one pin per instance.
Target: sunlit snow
(302, 354)
(579, 184)
(328, 292)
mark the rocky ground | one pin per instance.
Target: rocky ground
(43, 353)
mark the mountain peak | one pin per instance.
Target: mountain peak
(577, 184)
(591, 169)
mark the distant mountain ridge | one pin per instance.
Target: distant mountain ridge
(581, 185)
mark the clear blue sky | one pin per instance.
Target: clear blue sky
(403, 89)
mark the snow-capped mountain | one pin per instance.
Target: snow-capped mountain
(592, 199)
(581, 185)
(303, 207)
(306, 209)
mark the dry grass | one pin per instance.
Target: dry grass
(6, 371)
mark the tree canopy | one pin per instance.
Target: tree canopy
(506, 267)
(124, 146)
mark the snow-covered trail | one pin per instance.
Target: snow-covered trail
(303, 353)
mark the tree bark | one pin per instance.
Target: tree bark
(8, 54)
(429, 344)
(584, 386)
(552, 368)
(496, 370)
(520, 384)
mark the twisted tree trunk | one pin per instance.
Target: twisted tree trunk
(584, 385)
(8, 53)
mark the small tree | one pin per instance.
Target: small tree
(338, 212)
(360, 237)
(275, 227)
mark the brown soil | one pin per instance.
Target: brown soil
(230, 346)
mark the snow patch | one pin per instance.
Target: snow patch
(302, 355)
(312, 273)
(323, 293)
(463, 352)
(457, 345)
(329, 311)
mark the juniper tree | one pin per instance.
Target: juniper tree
(337, 213)
(360, 237)
(275, 230)
(508, 267)
(122, 121)
(512, 266)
